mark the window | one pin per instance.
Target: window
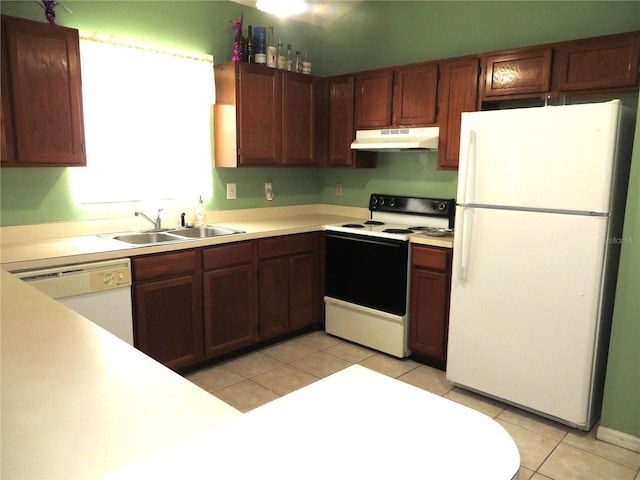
(148, 117)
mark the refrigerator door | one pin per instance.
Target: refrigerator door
(557, 158)
(525, 298)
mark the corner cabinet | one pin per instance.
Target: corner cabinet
(167, 307)
(457, 93)
(264, 117)
(341, 100)
(429, 303)
(42, 122)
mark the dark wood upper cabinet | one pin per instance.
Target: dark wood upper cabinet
(457, 93)
(396, 97)
(299, 119)
(517, 72)
(414, 94)
(42, 121)
(247, 115)
(373, 95)
(341, 132)
(597, 63)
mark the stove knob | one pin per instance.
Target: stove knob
(392, 202)
(434, 205)
(442, 206)
(374, 200)
(381, 201)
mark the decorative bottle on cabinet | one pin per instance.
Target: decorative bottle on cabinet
(281, 59)
(271, 50)
(251, 46)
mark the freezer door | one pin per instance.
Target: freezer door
(525, 300)
(557, 158)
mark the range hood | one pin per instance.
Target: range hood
(397, 139)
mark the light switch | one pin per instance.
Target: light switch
(231, 191)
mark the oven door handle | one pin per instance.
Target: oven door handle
(372, 241)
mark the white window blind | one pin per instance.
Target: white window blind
(148, 123)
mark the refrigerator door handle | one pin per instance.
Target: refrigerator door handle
(468, 176)
(465, 239)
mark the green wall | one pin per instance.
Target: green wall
(621, 407)
(375, 34)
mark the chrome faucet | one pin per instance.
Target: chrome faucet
(157, 223)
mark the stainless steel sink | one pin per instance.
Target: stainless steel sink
(170, 235)
(145, 238)
(205, 232)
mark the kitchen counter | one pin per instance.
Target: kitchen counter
(78, 402)
(356, 423)
(63, 243)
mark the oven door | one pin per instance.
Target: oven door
(367, 271)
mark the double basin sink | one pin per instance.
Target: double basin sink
(171, 235)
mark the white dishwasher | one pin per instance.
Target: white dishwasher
(99, 291)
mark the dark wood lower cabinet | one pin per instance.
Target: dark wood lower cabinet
(229, 297)
(288, 284)
(429, 309)
(167, 312)
(198, 304)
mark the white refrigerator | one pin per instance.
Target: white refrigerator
(541, 194)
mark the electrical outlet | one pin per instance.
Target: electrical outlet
(268, 191)
(338, 189)
(231, 191)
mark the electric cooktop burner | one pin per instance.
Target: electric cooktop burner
(353, 225)
(397, 230)
(373, 222)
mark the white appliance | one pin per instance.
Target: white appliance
(99, 291)
(367, 269)
(541, 195)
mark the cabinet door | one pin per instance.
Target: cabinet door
(229, 309)
(45, 88)
(168, 324)
(414, 95)
(273, 297)
(302, 303)
(457, 93)
(600, 63)
(259, 116)
(429, 313)
(298, 119)
(373, 96)
(7, 151)
(518, 72)
(341, 132)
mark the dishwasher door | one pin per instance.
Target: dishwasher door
(99, 291)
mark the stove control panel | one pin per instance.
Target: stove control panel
(434, 207)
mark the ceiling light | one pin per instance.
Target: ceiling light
(282, 8)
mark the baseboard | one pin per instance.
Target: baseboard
(620, 439)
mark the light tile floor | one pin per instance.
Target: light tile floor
(548, 450)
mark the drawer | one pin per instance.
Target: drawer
(153, 267)
(285, 245)
(433, 258)
(227, 255)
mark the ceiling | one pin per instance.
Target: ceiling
(319, 12)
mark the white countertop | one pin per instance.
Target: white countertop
(78, 402)
(47, 245)
(356, 423)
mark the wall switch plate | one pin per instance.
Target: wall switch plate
(231, 191)
(338, 189)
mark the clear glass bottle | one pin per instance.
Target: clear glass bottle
(289, 58)
(271, 49)
(298, 64)
(281, 59)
